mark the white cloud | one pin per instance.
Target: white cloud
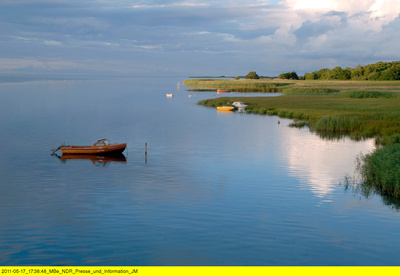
(369, 14)
(52, 43)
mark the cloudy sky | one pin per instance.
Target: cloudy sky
(195, 37)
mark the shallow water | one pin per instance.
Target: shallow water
(215, 188)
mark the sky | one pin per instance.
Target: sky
(195, 37)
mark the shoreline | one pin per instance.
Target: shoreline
(358, 109)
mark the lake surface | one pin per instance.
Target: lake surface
(215, 188)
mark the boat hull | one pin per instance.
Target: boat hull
(99, 150)
(223, 91)
(225, 108)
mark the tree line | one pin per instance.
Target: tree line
(377, 71)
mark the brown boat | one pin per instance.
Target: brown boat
(101, 147)
(223, 91)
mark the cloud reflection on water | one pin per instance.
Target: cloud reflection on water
(319, 163)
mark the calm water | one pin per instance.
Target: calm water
(217, 188)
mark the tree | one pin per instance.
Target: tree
(310, 76)
(289, 76)
(252, 75)
(339, 74)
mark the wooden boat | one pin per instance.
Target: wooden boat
(101, 147)
(223, 91)
(225, 108)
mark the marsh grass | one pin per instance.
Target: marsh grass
(380, 170)
(357, 117)
(298, 124)
(364, 94)
(238, 85)
(309, 90)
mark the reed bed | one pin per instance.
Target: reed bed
(380, 170)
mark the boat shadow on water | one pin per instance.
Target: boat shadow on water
(97, 160)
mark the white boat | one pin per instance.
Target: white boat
(170, 95)
(239, 104)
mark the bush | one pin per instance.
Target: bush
(252, 75)
(289, 76)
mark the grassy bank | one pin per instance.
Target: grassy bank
(360, 109)
(357, 117)
(243, 85)
(294, 86)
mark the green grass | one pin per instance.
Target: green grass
(309, 90)
(380, 170)
(360, 94)
(242, 85)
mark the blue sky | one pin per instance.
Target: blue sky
(193, 37)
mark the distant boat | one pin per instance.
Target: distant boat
(225, 108)
(223, 91)
(169, 95)
(101, 147)
(239, 104)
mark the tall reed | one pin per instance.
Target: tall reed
(381, 170)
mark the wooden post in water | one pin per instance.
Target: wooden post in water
(145, 152)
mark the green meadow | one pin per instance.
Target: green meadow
(359, 109)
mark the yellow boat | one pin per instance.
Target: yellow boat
(225, 108)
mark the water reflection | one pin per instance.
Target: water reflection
(330, 135)
(320, 163)
(362, 190)
(97, 160)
